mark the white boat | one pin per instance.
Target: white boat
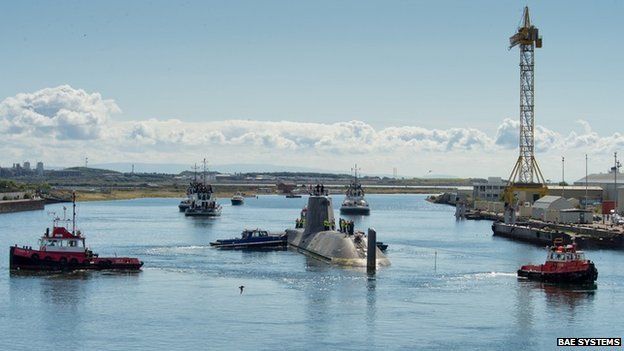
(238, 199)
(203, 202)
(354, 202)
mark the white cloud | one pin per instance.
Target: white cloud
(61, 125)
(507, 134)
(60, 113)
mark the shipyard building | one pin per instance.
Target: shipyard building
(609, 182)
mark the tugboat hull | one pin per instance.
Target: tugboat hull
(201, 213)
(237, 202)
(35, 260)
(575, 277)
(545, 273)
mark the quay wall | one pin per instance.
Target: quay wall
(21, 205)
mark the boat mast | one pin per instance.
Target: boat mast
(355, 170)
(204, 175)
(73, 212)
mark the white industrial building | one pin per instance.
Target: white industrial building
(490, 190)
(548, 208)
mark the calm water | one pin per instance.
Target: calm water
(187, 295)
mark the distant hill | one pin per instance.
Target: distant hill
(124, 167)
(439, 176)
(91, 171)
(176, 168)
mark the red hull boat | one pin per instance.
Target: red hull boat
(65, 250)
(564, 264)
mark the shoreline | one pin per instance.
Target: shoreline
(123, 194)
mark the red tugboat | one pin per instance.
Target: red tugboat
(564, 264)
(65, 250)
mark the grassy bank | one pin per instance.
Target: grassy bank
(125, 194)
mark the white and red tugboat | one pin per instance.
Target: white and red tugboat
(564, 264)
(65, 250)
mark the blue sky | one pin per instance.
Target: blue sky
(428, 64)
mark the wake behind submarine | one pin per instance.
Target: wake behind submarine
(331, 246)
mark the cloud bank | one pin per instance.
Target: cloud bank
(60, 113)
(61, 125)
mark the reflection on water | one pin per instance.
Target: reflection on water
(524, 315)
(317, 313)
(201, 222)
(567, 296)
(314, 265)
(371, 308)
(66, 289)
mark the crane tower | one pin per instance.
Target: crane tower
(526, 174)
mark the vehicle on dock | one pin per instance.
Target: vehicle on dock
(354, 202)
(237, 199)
(253, 239)
(564, 264)
(65, 250)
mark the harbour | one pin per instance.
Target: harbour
(448, 280)
(470, 227)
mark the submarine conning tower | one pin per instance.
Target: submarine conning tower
(320, 209)
(330, 245)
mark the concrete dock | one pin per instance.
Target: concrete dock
(9, 206)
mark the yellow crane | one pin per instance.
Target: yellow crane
(526, 177)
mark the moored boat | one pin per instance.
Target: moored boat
(253, 239)
(564, 264)
(62, 249)
(237, 199)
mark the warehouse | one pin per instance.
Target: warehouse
(548, 208)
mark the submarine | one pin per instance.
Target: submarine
(314, 239)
